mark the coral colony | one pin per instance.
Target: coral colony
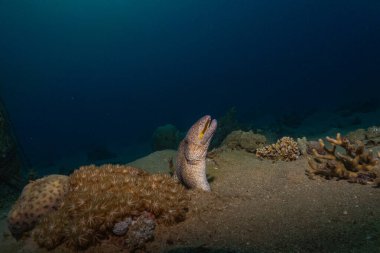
(357, 164)
(95, 201)
(37, 199)
(285, 149)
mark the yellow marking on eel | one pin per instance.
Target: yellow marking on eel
(207, 125)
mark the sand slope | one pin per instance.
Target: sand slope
(273, 207)
(261, 206)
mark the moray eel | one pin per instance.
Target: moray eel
(191, 156)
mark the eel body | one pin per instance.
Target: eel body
(191, 157)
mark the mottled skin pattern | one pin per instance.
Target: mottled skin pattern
(191, 157)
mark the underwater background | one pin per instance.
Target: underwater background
(82, 76)
(96, 98)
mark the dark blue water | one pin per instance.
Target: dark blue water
(79, 74)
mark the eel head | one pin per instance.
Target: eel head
(199, 136)
(202, 131)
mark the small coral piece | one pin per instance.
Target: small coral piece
(37, 199)
(100, 197)
(285, 149)
(357, 165)
(302, 145)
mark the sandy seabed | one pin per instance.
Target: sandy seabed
(260, 206)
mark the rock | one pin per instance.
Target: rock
(247, 141)
(141, 231)
(121, 227)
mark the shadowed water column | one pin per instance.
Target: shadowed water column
(11, 160)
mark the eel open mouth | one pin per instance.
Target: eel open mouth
(205, 128)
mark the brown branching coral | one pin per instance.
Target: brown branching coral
(357, 164)
(100, 197)
(285, 149)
